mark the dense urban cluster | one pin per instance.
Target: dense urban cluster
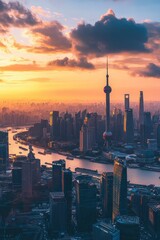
(52, 202)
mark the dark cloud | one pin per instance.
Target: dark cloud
(15, 14)
(49, 37)
(110, 35)
(72, 63)
(151, 70)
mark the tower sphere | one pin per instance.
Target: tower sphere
(107, 89)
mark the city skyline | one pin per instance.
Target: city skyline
(58, 51)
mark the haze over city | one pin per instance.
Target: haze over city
(57, 49)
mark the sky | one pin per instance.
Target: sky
(56, 49)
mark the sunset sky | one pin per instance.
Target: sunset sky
(56, 49)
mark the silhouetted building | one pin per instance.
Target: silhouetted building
(4, 151)
(107, 194)
(57, 167)
(58, 219)
(129, 227)
(128, 126)
(67, 189)
(27, 179)
(158, 136)
(147, 128)
(119, 189)
(141, 109)
(104, 231)
(17, 177)
(83, 143)
(126, 102)
(154, 220)
(54, 125)
(85, 203)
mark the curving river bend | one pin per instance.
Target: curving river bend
(134, 175)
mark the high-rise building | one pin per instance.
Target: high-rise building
(104, 231)
(17, 177)
(83, 143)
(4, 150)
(119, 189)
(128, 126)
(154, 220)
(158, 136)
(141, 109)
(58, 219)
(129, 227)
(27, 179)
(146, 128)
(126, 102)
(107, 90)
(57, 167)
(107, 194)
(67, 189)
(85, 203)
(54, 125)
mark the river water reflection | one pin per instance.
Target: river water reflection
(134, 175)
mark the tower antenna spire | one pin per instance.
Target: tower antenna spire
(107, 75)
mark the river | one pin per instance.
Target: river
(134, 175)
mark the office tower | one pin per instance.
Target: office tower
(158, 136)
(104, 231)
(4, 151)
(119, 189)
(146, 128)
(58, 219)
(107, 90)
(85, 203)
(117, 125)
(67, 189)
(141, 109)
(17, 177)
(107, 194)
(69, 128)
(83, 143)
(154, 220)
(77, 125)
(26, 179)
(126, 102)
(54, 125)
(128, 126)
(129, 227)
(62, 129)
(57, 167)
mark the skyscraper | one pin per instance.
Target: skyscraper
(4, 152)
(141, 109)
(85, 202)
(128, 126)
(107, 90)
(57, 167)
(119, 189)
(67, 189)
(126, 102)
(107, 194)
(58, 220)
(54, 125)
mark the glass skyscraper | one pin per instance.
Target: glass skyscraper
(119, 189)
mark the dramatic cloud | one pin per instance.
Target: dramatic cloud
(152, 70)
(49, 37)
(110, 35)
(72, 63)
(14, 14)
